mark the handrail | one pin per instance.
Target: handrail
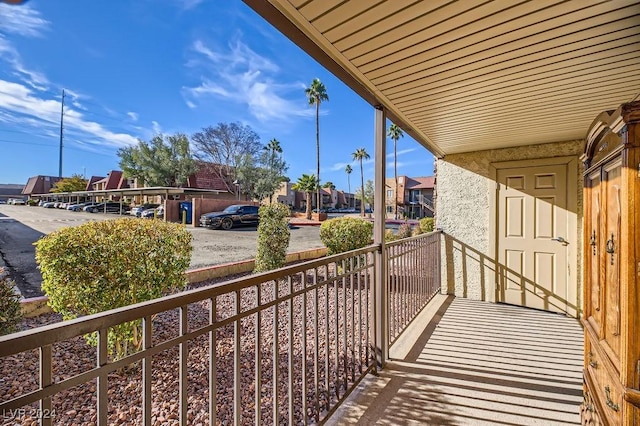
(41, 336)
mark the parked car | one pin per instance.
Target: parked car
(49, 205)
(154, 213)
(235, 215)
(17, 201)
(79, 207)
(137, 211)
(110, 208)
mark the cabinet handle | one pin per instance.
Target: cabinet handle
(592, 363)
(610, 403)
(611, 247)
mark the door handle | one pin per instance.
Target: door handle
(560, 240)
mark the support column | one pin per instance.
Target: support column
(381, 320)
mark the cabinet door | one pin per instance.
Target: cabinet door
(611, 258)
(593, 255)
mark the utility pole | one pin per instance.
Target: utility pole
(61, 134)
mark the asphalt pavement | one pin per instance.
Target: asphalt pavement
(21, 226)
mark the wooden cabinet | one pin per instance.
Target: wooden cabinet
(612, 268)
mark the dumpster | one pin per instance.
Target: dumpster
(186, 210)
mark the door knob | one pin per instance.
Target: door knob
(560, 240)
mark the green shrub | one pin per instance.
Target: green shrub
(426, 224)
(273, 237)
(31, 202)
(103, 265)
(417, 230)
(345, 233)
(10, 310)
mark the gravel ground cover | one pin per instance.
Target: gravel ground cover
(338, 311)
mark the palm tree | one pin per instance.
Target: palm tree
(316, 94)
(273, 148)
(360, 154)
(348, 170)
(395, 133)
(306, 184)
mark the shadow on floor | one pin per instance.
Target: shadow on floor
(478, 363)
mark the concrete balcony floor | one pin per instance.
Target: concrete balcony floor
(476, 363)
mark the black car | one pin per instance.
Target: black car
(235, 215)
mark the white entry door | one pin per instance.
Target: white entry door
(535, 235)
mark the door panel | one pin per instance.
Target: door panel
(596, 244)
(532, 215)
(611, 185)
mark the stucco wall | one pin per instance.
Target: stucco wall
(464, 212)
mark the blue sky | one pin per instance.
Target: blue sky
(133, 69)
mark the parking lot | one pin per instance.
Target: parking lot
(21, 226)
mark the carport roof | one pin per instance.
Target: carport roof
(158, 190)
(469, 75)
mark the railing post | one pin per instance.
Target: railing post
(380, 283)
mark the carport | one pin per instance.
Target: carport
(109, 194)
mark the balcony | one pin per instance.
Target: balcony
(292, 345)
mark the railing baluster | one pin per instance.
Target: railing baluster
(103, 386)
(147, 369)
(237, 384)
(258, 357)
(316, 349)
(305, 414)
(184, 371)
(353, 266)
(326, 338)
(276, 323)
(213, 386)
(290, 349)
(359, 284)
(344, 323)
(336, 329)
(45, 380)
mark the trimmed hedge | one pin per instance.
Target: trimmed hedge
(10, 310)
(345, 233)
(273, 237)
(103, 265)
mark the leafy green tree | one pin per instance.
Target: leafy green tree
(395, 133)
(361, 154)
(306, 184)
(316, 94)
(163, 161)
(223, 147)
(367, 195)
(348, 170)
(260, 175)
(74, 183)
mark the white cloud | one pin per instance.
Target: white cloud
(156, 128)
(242, 76)
(133, 116)
(19, 104)
(23, 20)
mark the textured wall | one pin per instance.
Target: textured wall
(463, 212)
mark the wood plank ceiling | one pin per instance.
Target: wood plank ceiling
(475, 74)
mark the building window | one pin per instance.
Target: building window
(389, 209)
(389, 193)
